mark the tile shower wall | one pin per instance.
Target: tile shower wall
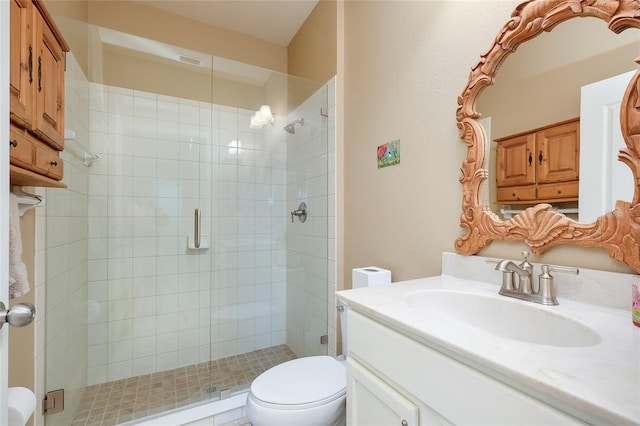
(61, 265)
(250, 256)
(310, 273)
(154, 305)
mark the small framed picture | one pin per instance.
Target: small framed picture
(389, 154)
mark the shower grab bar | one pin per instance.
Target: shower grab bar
(196, 229)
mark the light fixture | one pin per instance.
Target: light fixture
(261, 117)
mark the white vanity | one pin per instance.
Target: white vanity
(450, 350)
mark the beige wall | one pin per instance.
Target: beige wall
(312, 54)
(134, 18)
(405, 64)
(312, 51)
(144, 21)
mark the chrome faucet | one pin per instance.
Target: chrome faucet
(523, 288)
(508, 268)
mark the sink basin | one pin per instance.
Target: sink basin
(508, 318)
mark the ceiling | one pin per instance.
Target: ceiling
(275, 21)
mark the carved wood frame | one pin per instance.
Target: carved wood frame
(539, 226)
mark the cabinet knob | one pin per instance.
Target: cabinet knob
(13, 143)
(54, 163)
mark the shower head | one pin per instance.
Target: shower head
(290, 128)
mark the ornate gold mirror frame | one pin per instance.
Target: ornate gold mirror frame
(539, 226)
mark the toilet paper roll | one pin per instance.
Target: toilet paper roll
(22, 403)
(370, 276)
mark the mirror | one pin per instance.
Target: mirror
(548, 73)
(539, 226)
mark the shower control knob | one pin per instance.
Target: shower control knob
(20, 315)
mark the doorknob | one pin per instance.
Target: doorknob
(20, 315)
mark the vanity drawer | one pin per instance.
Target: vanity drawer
(522, 193)
(564, 190)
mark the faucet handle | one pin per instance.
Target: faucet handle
(547, 290)
(564, 269)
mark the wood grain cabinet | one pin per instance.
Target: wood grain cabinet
(36, 95)
(538, 166)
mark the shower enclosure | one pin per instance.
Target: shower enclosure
(173, 269)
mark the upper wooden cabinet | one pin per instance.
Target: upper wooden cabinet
(541, 165)
(36, 92)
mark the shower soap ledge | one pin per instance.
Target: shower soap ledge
(205, 243)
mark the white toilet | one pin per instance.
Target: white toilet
(309, 391)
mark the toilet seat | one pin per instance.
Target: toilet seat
(300, 383)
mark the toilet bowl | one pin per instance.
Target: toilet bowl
(305, 391)
(309, 391)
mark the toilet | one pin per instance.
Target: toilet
(309, 391)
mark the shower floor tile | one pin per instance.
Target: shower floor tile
(129, 399)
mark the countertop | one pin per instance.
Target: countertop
(602, 380)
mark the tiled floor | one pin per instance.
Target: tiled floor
(129, 399)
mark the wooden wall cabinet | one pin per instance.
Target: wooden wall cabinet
(539, 166)
(36, 96)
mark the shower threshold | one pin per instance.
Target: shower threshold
(126, 400)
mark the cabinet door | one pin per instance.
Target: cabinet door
(21, 62)
(558, 153)
(372, 402)
(514, 161)
(49, 86)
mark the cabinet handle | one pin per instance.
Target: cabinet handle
(530, 160)
(54, 163)
(13, 143)
(30, 64)
(540, 158)
(39, 74)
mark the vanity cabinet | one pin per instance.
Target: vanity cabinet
(396, 380)
(539, 166)
(36, 86)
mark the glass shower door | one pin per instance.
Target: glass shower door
(128, 295)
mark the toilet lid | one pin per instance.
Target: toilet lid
(301, 381)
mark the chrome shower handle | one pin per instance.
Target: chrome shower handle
(301, 213)
(196, 228)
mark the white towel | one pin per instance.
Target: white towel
(18, 278)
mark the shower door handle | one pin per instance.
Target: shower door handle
(196, 229)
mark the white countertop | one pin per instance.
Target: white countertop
(602, 380)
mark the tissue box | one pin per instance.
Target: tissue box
(370, 276)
